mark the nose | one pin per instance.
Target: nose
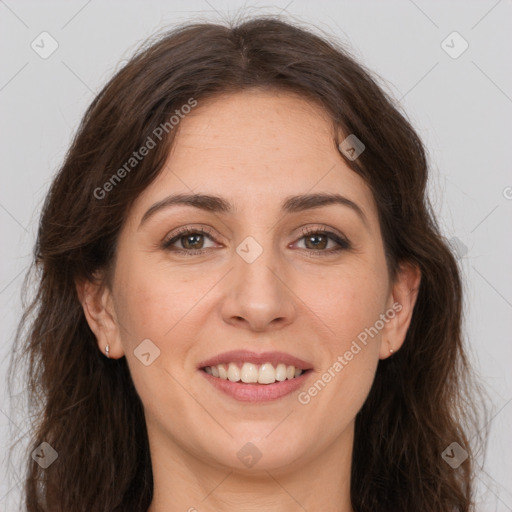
(258, 296)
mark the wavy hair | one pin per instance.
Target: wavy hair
(85, 405)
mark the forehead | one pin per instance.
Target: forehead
(256, 147)
(269, 125)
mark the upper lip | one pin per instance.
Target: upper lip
(242, 356)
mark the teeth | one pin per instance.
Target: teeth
(281, 372)
(223, 373)
(251, 373)
(233, 372)
(267, 374)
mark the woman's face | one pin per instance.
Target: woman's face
(278, 270)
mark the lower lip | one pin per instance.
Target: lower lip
(257, 392)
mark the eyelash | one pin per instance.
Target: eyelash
(342, 242)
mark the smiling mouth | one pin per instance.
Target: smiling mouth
(249, 373)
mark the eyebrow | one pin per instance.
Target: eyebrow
(216, 204)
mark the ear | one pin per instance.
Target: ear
(401, 301)
(96, 299)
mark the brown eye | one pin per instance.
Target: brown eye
(317, 241)
(187, 241)
(192, 241)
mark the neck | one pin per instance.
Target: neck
(185, 482)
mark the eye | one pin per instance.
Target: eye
(191, 241)
(317, 239)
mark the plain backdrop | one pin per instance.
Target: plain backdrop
(461, 106)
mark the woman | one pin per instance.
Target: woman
(245, 302)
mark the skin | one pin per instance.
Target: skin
(255, 149)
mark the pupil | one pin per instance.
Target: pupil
(190, 238)
(316, 237)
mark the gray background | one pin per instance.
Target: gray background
(461, 107)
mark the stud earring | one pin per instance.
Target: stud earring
(391, 350)
(107, 351)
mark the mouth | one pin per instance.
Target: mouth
(248, 376)
(255, 368)
(249, 373)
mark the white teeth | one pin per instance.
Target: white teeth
(223, 373)
(267, 374)
(250, 373)
(281, 372)
(233, 372)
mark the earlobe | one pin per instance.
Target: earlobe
(402, 300)
(96, 300)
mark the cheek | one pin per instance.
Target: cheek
(350, 351)
(153, 302)
(349, 304)
(160, 307)
(346, 300)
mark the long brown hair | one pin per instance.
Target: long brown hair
(86, 406)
